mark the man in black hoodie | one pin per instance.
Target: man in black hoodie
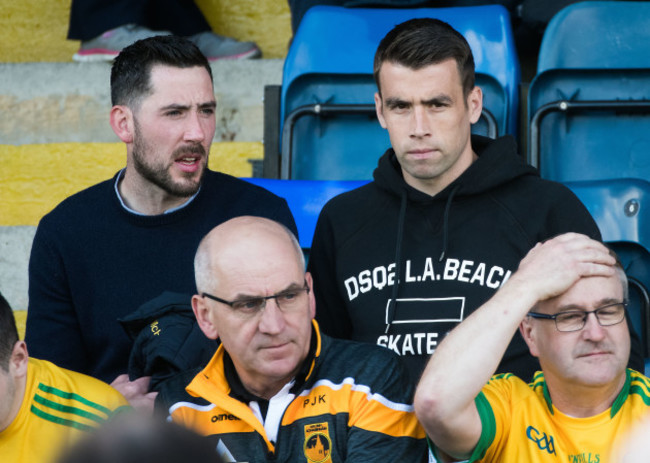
(401, 261)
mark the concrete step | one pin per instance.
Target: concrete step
(15, 245)
(70, 102)
(35, 178)
(35, 31)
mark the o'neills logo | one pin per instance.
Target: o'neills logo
(318, 445)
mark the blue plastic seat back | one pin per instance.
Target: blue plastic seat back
(636, 262)
(330, 62)
(620, 207)
(305, 198)
(589, 105)
(597, 34)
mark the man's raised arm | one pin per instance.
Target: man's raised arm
(470, 354)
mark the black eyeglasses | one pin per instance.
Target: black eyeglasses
(575, 320)
(286, 300)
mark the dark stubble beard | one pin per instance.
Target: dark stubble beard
(158, 173)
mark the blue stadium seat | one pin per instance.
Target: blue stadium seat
(327, 117)
(305, 198)
(621, 208)
(589, 104)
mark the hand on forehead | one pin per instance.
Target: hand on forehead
(552, 267)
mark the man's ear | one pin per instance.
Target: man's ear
(203, 317)
(475, 104)
(121, 119)
(527, 332)
(19, 360)
(379, 110)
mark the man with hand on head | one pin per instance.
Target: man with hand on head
(277, 389)
(103, 252)
(568, 300)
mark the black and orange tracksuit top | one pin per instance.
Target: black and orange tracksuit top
(352, 402)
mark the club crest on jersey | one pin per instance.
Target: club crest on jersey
(318, 445)
(543, 441)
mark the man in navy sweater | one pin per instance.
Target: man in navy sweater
(103, 252)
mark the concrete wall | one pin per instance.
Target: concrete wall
(36, 30)
(70, 102)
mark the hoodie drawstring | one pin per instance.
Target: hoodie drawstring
(398, 256)
(445, 222)
(398, 247)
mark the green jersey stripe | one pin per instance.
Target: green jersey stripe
(61, 421)
(641, 383)
(73, 396)
(68, 409)
(641, 392)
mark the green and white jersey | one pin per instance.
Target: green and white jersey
(521, 424)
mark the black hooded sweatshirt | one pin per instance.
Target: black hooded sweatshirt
(448, 253)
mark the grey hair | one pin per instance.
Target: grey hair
(620, 272)
(202, 265)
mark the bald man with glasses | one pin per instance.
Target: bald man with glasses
(277, 389)
(568, 299)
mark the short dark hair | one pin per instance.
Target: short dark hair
(8, 333)
(421, 42)
(131, 71)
